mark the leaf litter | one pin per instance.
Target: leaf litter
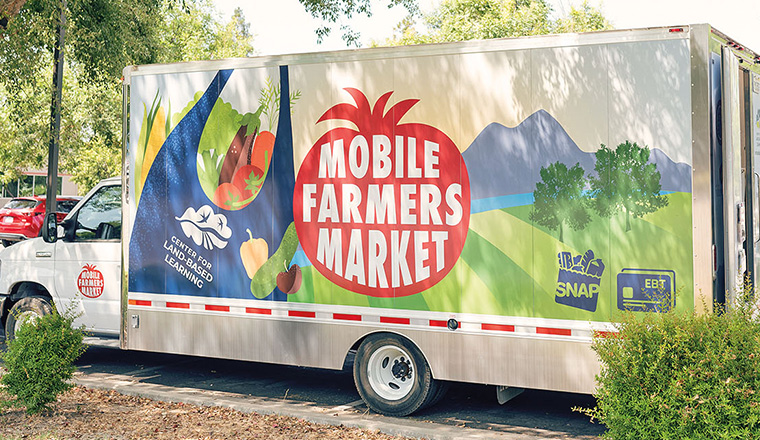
(84, 413)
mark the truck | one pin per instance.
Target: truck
(473, 212)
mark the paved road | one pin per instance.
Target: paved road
(326, 396)
(468, 411)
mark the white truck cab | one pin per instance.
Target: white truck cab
(79, 269)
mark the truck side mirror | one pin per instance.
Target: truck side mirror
(50, 228)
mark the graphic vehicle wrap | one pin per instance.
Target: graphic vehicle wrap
(261, 187)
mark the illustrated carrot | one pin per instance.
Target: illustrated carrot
(262, 150)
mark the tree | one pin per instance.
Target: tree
(625, 181)
(559, 198)
(457, 20)
(334, 11)
(582, 19)
(103, 36)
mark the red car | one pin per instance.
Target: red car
(21, 217)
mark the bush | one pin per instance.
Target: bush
(40, 361)
(681, 376)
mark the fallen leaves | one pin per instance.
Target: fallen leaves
(88, 413)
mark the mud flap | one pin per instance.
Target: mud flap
(505, 394)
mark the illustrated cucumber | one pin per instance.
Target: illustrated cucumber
(265, 279)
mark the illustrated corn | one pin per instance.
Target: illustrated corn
(254, 253)
(156, 139)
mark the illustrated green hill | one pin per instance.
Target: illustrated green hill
(509, 265)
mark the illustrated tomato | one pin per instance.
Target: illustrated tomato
(248, 180)
(90, 281)
(262, 150)
(229, 197)
(382, 209)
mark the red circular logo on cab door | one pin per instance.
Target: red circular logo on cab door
(90, 281)
(382, 210)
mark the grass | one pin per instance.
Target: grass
(509, 265)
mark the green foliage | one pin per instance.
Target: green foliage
(626, 181)
(233, 39)
(341, 11)
(682, 376)
(102, 37)
(40, 361)
(195, 33)
(457, 20)
(559, 198)
(582, 19)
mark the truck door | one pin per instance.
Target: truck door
(88, 262)
(716, 177)
(734, 209)
(753, 140)
(749, 174)
(741, 186)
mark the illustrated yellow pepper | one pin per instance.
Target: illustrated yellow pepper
(254, 253)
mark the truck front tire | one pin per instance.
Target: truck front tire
(25, 310)
(392, 376)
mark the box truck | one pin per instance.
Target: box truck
(468, 212)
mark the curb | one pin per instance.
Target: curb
(337, 416)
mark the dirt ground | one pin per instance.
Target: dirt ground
(84, 413)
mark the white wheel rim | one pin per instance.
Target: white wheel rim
(390, 372)
(24, 318)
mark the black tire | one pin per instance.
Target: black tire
(392, 376)
(7, 243)
(23, 309)
(440, 388)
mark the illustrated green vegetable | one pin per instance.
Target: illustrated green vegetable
(265, 279)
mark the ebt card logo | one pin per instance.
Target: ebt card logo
(578, 280)
(382, 210)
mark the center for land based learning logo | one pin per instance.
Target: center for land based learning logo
(382, 210)
(578, 280)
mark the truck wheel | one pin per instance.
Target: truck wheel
(7, 243)
(438, 390)
(25, 310)
(392, 376)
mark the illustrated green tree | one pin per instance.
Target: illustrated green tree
(102, 37)
(625, 181)
(559, 199)
(458, 20)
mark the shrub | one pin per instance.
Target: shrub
(681, 376)
(40, 361)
